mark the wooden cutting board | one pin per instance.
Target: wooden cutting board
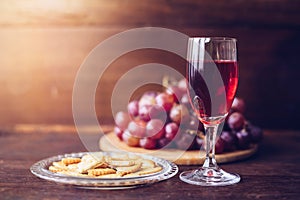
(110, 142)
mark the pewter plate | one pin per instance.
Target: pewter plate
(40, 169)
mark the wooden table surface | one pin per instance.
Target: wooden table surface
(272, 173)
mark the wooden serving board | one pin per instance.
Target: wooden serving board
(110, 142)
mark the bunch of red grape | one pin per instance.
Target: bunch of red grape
(166, 120)
(238, 133)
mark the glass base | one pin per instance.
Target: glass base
(209, 177)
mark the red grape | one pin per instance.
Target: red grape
(163, 142)
(255, 133)
(118, 132)
(147, 99)
(137, 129)
(133, 108)
(155, 129)
(171, 130)
(238, 105)
(230, 140)
(165, 100)
(150, 94)
(226, 126)
(148, 143)
(199, 142)
(130, 140)
(122, 119)
(156, 118)
(236, 121)
(148, 112)
(157, 112)
(175, 92)
(219, 146)
(244, 139)
(144, 112)
(179, 114)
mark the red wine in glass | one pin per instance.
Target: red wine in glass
(228, 71)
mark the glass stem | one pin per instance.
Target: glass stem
(210, 140)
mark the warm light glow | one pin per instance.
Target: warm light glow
(53, 5)
(30, 11)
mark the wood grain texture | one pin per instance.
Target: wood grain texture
(37, 86)
(170, 13)
(271, 174)
(110, 142)
(44, 43)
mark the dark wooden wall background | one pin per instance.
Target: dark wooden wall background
(43, 43)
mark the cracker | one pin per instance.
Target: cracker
(55, 169)
(147, 171)
(93, 157)
(127, 170)
(121, 163)
(72, 173)
(102, 165)
(134, 157)
(72, 167)
(114, 165)
(60, 165)
(147, 163)
(70, 160)
(90, 161)
(99, 172)
(118, 156)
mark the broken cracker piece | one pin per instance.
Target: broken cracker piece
(90, 161)
(92, 157)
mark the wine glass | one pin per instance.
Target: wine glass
(212, 77)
